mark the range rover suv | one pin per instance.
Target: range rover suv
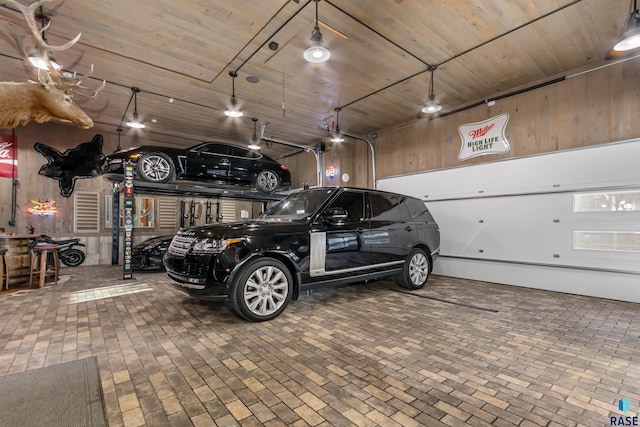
(313, 238)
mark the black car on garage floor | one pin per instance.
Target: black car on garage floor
(212, 162)
(313, 238)
(147, 255)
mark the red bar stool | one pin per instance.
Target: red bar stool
(40, 266)
(4, 270)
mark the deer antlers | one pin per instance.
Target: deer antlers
(71, 85)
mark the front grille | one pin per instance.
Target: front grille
(180, 245)
(196, 270)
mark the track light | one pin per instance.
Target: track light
(431, 106)
(337, 136)
(35, 57)
(135, 122)
(233, 110)
(254, 139)
(316, 52)
(630, 36)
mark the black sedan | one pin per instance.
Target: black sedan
(147, 256)
(213, 162)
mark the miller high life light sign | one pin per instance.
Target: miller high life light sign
(8, 156)
(483, 138)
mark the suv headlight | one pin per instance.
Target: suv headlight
(212, 245)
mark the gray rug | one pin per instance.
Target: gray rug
(65, 395)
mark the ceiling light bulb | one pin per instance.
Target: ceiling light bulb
(254, 146)
(233, 113)
(233, 110)
(136, 125)
(630, 37)
(337, 138)
(431, 107)
(316, 54)
(629, 41)
(135, 122)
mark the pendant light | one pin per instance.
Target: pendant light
(316, 52)
(135, 121)
(431, 106)
(35, 57)
(337, 136)
(630, 37)
(254, 139)
(233, 110)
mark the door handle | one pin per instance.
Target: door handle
(360, 230)
(408, 228)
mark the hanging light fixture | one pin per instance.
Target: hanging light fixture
(254, 139)
(630, 36)
(233, 110)
(316, 52)
(135, 121)
(34, 55)
(337, 136)
(431, 106)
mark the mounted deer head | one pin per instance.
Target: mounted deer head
(50, 98)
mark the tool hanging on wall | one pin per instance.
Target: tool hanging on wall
(218, 212)
(14, 181)
(192, 213)
(208, 218)
(183, 214)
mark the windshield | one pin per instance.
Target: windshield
(298, 205)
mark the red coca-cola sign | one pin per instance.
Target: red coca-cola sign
(8, 156)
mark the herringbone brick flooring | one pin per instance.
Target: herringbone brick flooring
(456, 353)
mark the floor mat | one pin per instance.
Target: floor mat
(68, 394)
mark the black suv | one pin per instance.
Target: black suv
(313, 238)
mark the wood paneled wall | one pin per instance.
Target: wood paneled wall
(596, 107)
(32, 186)
(352, 157)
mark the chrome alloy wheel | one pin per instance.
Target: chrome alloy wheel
(418, 268)
(155, 168)
(266, 290)
(267, 181)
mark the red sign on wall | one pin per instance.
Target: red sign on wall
(8, 156)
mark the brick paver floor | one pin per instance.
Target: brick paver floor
(455, 353)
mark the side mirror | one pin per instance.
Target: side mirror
(335, 215)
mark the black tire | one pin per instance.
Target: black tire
(261, 290)
(72, 257)
(415, 271)
(267, 181)
(155, 167)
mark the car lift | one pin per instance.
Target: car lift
(184, 188)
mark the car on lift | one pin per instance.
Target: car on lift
(212, 162)
(313, 238)
(147, 255)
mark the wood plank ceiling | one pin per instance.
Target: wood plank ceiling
(179, 53)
